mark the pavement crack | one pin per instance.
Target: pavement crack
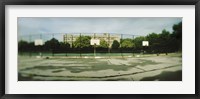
(140, 69)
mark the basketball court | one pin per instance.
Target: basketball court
(101, 68)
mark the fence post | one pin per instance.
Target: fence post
(19, 51)
(133, 46)
(121, 45)
(72, 44)
(109, 44)
(65, 43)
(80, 46)
(30, 52)
(94, 46)
(53, 45)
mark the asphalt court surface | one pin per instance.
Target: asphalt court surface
(137, 68)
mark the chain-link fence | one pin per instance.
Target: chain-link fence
(78, 45)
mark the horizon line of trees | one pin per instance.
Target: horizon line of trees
(163, 42)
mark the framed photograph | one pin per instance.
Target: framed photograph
(100, 49)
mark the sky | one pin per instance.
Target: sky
(121, 25)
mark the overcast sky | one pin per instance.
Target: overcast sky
(126, 25)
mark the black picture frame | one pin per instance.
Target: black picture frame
(99, 2)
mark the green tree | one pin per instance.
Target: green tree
(177, 34)
(138, 42)
(82, 42)
(127, 43)
(165, 41)
(162, 43)
(103, 44)
(177, 30)
(154, 42)
(23, 45)
(115, 44)
(31, 46)
(52, 44)
(64, 46)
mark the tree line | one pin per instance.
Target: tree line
(163, 42)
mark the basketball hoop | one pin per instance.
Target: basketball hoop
(94, 42)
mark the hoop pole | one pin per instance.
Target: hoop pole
(94, 50)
